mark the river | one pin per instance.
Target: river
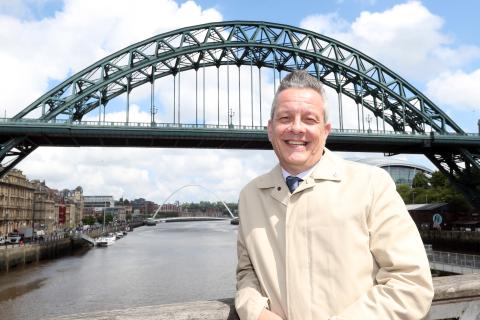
(167, 263)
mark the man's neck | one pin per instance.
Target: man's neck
(302, 175)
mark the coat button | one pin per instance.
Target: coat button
(279, 188)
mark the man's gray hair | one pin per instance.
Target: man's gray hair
(302, 80)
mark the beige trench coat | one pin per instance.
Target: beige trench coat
(342, 246)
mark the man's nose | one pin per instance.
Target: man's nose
(297, 126)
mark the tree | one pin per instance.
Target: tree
(88, 220)
(439, 180)
(420, 181)
(108, 218)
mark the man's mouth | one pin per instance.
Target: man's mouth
(296, 143)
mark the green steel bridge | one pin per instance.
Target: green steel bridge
(219, 79)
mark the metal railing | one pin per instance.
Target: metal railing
(469, 263)
(119, 124)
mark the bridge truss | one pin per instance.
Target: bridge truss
(370, 85)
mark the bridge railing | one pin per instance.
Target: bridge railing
(457, 259)
(150, 125)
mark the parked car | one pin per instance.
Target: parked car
(13, 238)
(3, 239)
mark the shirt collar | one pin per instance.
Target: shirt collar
(328, 168)
(301, 175)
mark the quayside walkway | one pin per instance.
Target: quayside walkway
(456, 297)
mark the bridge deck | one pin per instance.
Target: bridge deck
(168, 135)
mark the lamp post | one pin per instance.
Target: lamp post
(231, 113)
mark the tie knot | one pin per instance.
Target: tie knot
(293, 182)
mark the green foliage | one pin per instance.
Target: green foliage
(433, 189)
(439, 180)
(405, 191)
(108, 218)
(88, 220)
(420, 181)
(203, 206)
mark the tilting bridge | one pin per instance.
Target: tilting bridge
(230, 71)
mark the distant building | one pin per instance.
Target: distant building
(423, 215)
(141, 206)
(119, 213)
(16, 202)
(401, 171)
(44, 214)
(98, 201)
(70, 206)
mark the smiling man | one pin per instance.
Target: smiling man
(320, 237)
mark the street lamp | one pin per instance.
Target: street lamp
(231, 114)
(369, 119)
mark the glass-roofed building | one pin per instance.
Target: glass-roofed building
(401, 171)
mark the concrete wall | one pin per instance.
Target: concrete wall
(19, 256)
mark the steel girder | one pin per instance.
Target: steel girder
(261, 44)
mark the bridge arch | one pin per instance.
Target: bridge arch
(192, 186)
(264, 45)
(370, 84)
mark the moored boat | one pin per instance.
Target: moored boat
(105, 241)
(150, 222)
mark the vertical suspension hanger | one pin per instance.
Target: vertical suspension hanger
(239, 100)
(174, 97)
(128, 100)
(274, 76)
(203, 94)
(152, 99)
(260, 93)
(340, 104)
(228, 92)
(383, 109)
(179, 86)
(251, 87)
(196, 97)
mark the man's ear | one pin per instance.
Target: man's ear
(328, 128)
(269, 130)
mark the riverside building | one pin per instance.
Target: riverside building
(16, 202)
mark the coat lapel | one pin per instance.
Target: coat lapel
(328, 168)
(274, 181)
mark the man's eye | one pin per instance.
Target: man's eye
(311, 120)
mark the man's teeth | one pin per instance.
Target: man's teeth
(297, 143)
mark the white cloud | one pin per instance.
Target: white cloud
(150, 173)
(407, 38)
(35, 52)
(456, 89)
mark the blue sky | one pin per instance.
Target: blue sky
(432, 44)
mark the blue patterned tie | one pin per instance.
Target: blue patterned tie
(293, 182)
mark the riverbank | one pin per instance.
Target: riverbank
(12, 257)
(18, 256)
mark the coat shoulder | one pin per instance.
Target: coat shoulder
(358, 169)
(265, 180)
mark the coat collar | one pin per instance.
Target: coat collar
(330, 167)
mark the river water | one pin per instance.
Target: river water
(168, 263)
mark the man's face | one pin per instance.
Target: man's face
(298, 130)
